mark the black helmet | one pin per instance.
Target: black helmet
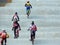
(32, 22)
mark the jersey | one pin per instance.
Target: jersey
(15, 18)
(3, 35)
(28, 6)
(33, 28)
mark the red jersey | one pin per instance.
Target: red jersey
(33, 27)
(3, 35)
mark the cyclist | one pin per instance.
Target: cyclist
(3, 35)
(28, 7)
(32, 29)
(16, 27)
(15, 17)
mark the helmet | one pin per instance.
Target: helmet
(32, 23)
(15, 12)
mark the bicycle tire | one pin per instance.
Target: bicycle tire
(33, 40)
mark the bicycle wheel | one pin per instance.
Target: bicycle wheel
(32, 40)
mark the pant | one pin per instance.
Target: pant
(3, 40)
(28, 11)
(32, 34)
(15, 32)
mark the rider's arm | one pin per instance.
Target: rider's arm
(18, 18)
(36, 27)
(13, 26)
(31, 5)
(12, 18)
(29, 28)
(25, 5)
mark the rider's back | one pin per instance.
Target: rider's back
(33, 27)
(3, 35)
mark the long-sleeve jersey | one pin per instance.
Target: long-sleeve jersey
(28, 6)
(15, 18)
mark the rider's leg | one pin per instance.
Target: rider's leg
(28, 13)
(30, 35)
(2, 42)
(5, 41)
(17, 33)
(34, 34)
(14, 32)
